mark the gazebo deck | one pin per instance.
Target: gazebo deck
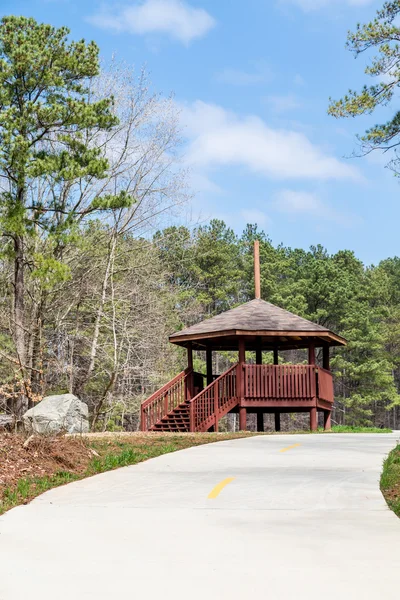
(265, 388)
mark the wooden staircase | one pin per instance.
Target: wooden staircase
(178, 420)
(171, 409)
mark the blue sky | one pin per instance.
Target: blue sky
(253, 80)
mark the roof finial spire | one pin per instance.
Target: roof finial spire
(257, 285)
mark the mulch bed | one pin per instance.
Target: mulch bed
(40, 456)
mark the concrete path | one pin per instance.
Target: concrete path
(289, 517)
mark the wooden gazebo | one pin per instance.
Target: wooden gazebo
(185, 404)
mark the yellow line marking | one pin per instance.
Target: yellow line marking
(218, 488)
(289, 448)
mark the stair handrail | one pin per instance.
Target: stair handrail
(159, 395)
(211, 401)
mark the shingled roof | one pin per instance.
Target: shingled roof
(257, 318)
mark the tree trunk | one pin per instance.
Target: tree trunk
(96, 332)
(21, 404)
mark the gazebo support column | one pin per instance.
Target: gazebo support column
(325, 358)
(276, 356)
(313, 419)
(242, 418)
(259, 357)
(260, 421)
(277, 421)
(277, 413)
(210, 379)
(327, 420)
(311, 354)
(190, 378)
(313, 411)
(242, 409)
(209, 365)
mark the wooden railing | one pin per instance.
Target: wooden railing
(214, 400)
(280, 381)
(164, 400)
(325, 385)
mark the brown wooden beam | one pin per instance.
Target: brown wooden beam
(295, 403)
(324, 404)
(242, 419)
(323, 336)
(327, 420)
(242, 351)
(325, 358)
(311, 354)
(209, 365)
(276, 356)
(257, 278)
(216, 405)
(260, 421)
(313, 419)
(190, 377)
(259, 352)
(242, 409)
(277, 421)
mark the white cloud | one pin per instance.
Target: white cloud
(307, 204)
(262, 73)
(199, 182)
(309, 5)
(220, 138)
(175, 18)
(284, 103)
(297, 202)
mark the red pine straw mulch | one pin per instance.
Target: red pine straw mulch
(42, 456)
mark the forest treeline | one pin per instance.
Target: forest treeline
(90, 169)
(156, 285)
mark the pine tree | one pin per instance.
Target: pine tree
(45, 115)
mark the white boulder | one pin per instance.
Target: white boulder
(57, 414)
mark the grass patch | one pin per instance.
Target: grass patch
(390, 480)
(351, 429)
(29, 488)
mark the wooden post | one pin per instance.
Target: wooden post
(313, 419)
(166, 398)
(327, 420)
(325, 358)
(242, 351)
(259, 356)
(277, 414)
(191, 417)
(209, 365)
(260, 415)
(277, 421)
(311, 354)
(276, 356)
(242, 418)
(257, 278)
(142, 419)
(260, 421)
(216, 407)
(313, 411)
(190, 378)
(242, 409)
